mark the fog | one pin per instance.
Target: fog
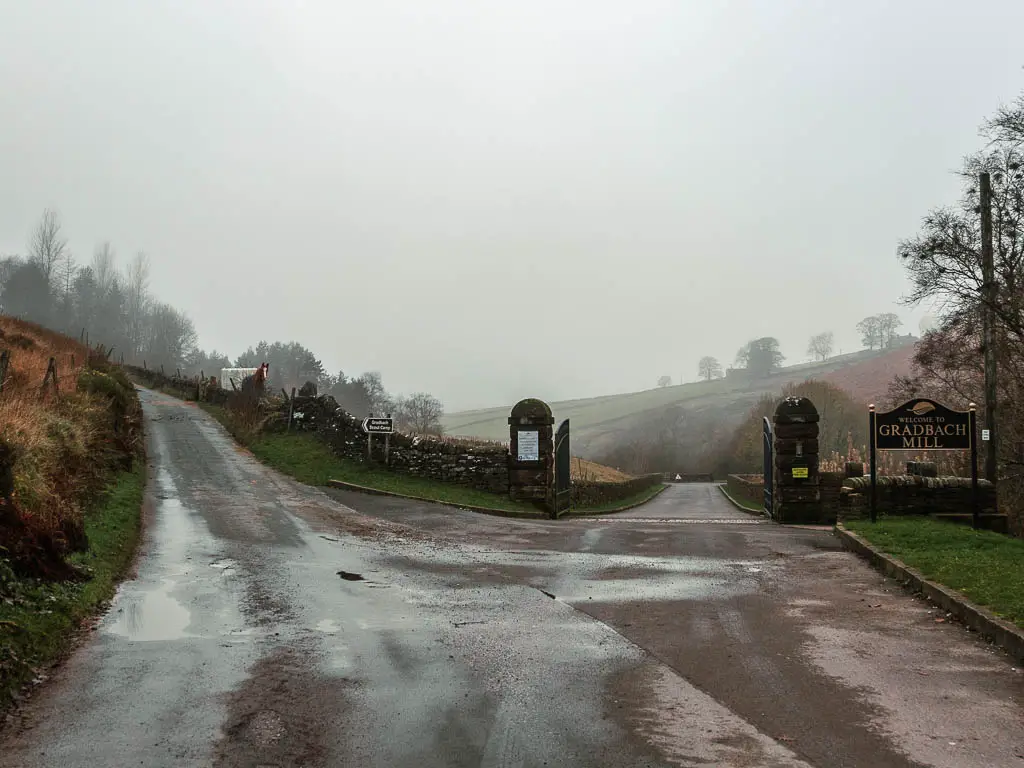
(491, 200)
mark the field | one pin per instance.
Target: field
(598, 422)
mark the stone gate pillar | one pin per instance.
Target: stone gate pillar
(531, 455)
(797, 482)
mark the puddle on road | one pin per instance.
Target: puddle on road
(149, 609)
(156, 616)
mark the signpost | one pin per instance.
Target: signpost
(378, 425)
(924, 424)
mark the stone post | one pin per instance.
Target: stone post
(797, 481)
(531, 455)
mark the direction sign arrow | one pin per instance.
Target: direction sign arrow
(378, 425)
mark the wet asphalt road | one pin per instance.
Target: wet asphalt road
(681, 633)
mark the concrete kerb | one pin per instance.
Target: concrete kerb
(484, 510)
(1004, 634)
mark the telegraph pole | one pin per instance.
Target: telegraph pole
(988, 324)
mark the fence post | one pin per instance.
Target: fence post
(291, 410)
(51, 376)
(5, 360)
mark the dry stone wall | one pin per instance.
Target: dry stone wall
(914, 495)
(483, 466)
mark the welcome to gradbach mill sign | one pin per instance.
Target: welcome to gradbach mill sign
(924, 425)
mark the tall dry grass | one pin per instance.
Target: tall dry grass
(948, 463)
(58, 444)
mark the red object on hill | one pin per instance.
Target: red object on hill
(868, 380)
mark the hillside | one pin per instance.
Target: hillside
(598, 422)
(868, 380)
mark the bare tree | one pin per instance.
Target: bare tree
(870, 332)
(665, 381)
(944, 260)
(821, 346)
(64, 277)
(709, 368)
(888, 324)
(47, 244)
(103, 269)
(137, 299)
(945, 267)
(380, 401)
(420, 413)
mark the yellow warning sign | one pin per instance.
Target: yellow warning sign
(800, 472)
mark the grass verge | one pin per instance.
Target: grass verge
(740, 502)
(987, 567)
(37, 619)
(309, 460)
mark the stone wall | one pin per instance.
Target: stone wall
(914, 495)
(844, 498)
(830, 485)
(483, 466)
(596, 494)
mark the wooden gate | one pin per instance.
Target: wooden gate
(769, 467)
(563, 480)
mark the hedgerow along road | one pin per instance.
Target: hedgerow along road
(272, 624)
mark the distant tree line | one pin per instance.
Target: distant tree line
(113, 306)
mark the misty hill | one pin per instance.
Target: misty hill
(598, 423)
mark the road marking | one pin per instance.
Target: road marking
(727, 521)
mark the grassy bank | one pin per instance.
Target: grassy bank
(988, 568)
(37, 619)
(630, 501)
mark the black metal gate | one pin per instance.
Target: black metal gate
(768, 469)
(562, 469)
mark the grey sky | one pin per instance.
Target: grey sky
(490, 200)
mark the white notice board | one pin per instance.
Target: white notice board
(529, 445)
